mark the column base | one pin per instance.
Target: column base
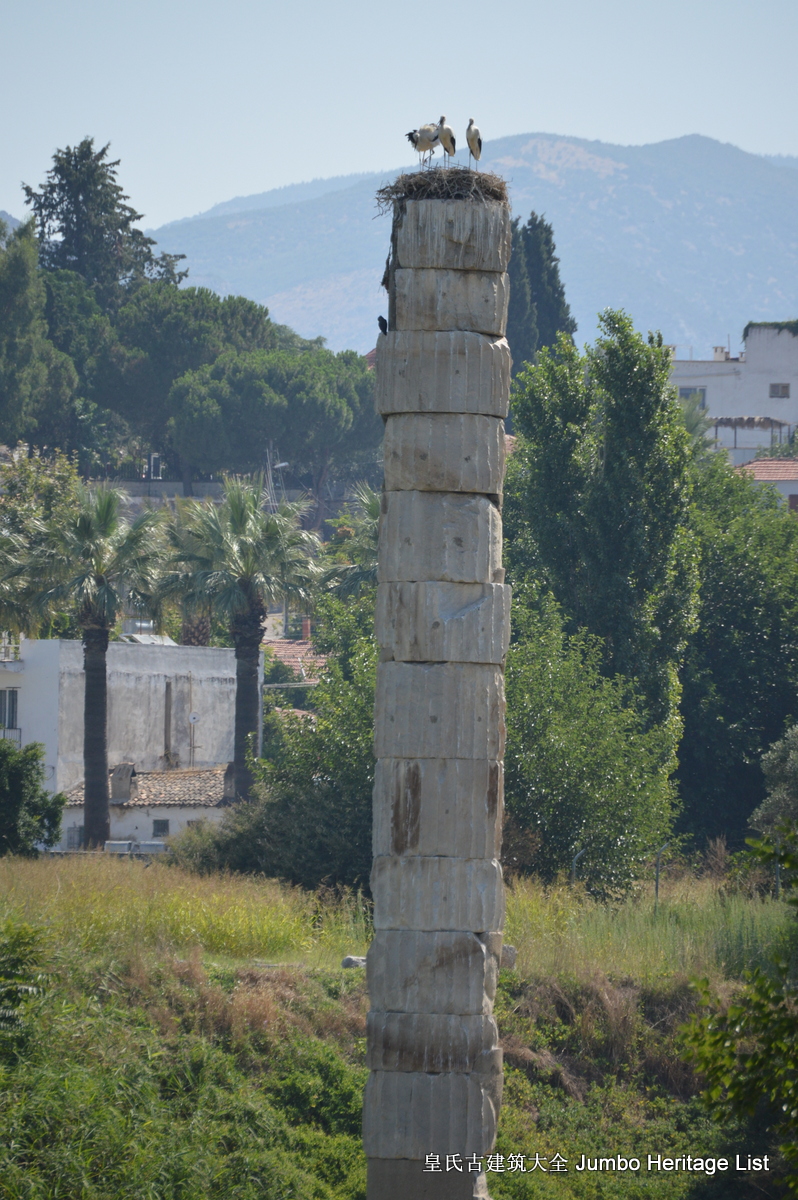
(406, 1179)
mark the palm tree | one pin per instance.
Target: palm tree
(98, 563)
(360, 572)
(234, 559)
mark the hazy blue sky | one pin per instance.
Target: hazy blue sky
(207, 100)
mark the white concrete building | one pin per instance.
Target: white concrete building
(753, 398)
(146, 808)
(168, 706)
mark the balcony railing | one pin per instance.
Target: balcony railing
(11, 735)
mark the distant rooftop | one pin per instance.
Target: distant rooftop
(774, 469)
(170, 789)
(299, 655)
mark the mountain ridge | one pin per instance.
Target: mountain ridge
(690, 235)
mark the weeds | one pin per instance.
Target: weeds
(96, 902)
(699, 929)
(198, 1039)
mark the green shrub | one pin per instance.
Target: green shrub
(29, 815)
(582, 771)
(747, 1047)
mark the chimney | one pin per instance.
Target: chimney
(123, 783)
(306, 628)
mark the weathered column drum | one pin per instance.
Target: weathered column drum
(443, 625)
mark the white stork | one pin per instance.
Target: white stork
(446, 138)
(474, 139)
(424, 139)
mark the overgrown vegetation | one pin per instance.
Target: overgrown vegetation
(746, 1047)
(194, 1037)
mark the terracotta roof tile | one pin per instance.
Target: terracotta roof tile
(299, 655)
(171, 789)
(775, 469)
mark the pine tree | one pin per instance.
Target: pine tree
(84, 225)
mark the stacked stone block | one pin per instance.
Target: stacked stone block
(442, 623)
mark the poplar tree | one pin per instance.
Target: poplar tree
(599, 502)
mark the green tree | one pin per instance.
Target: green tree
(84, 225)
(355, 544)
(582, 772)
(599, 501)
(318, 407)
(522, 326)
(35, 378)
(552, 313)
(740, 675)
(29, 814)
(538, 309)
(225, 416)
(166, 336)
(94, 561)
(234, 559)
(780, 768)
(332, 429)
(746, 1048)
(36, 489)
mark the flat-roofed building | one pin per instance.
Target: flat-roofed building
(753, 398)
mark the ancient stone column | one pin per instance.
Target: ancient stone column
(443, 613)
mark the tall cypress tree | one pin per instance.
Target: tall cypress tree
(547, 293)
(522, 329)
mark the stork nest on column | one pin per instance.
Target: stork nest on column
(438, 183)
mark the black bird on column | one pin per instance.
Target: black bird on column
(383, 324)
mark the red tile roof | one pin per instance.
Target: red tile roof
(170, 789)
(772, 469)
(299, 655)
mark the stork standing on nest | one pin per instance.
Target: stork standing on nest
(424, 140)
(446, 138)
(474, 139)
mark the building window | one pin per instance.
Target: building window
(160, 829)
(700, 394)
(792, 502)
(779, 391)
(8, 708)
